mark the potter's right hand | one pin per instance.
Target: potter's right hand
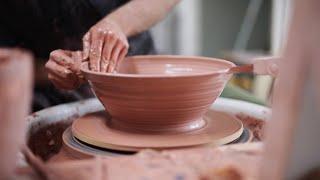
(105, 45)
(64, 69)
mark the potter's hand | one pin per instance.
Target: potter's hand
(64, 69)
(106, 45)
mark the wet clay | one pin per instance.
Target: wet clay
(95, 129)
(160, 93)
(46, 142)
(15, 97)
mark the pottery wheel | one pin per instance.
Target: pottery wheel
(75, 146)
(94, 129)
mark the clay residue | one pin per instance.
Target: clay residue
(255, 125)
(193, 163)
(224, 173)
(48, 146)
(47, 141)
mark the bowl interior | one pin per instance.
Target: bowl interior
(160, 65)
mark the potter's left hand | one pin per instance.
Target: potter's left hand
(106, 45)
(64, 69)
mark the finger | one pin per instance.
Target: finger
(62, 57)
(62, 80)
(104, 64)
(96, 50)
(121, 57)
(62, 77)
(58, 70)
(107, 49)
(58, 51)
(111, 42)
(114, 56)
(77, 57)
(59, 83)
(86, 45)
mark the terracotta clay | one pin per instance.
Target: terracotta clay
(15, 97)
(160, 93)
(72, 148)
(63, 67)
(46, 127)
(96, 129)
(75, 149)
(149, 91)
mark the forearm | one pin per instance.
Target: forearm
(139, 15)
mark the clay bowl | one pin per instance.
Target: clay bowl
(160, 93)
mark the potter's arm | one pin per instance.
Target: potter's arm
(105, 44)
(139, 15)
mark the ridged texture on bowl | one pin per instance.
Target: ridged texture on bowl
(160, 93)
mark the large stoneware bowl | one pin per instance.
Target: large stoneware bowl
(160, 93)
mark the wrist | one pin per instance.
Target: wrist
(120, 22)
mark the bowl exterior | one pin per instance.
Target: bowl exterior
(159, 104)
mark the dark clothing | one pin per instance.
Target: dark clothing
(45, 25)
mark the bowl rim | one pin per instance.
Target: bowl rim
(123, 75)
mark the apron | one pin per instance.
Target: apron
(42, 26)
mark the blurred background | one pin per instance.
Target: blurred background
(232, 30)
(237, 31)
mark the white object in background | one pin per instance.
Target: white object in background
(235, 107)
(180, 32)
(164, 34)
(281, 13)
(190, 17)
